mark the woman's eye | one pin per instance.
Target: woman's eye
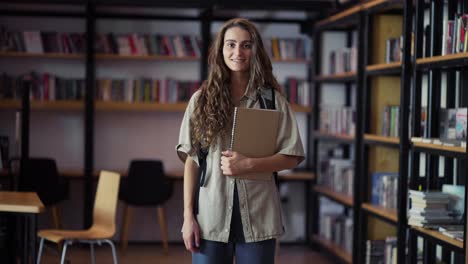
(231, 45)
(248, 46)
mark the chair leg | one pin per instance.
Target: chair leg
(57, 222)
(64, 251)
(126, 223)
(162, 224)
(39, 254)
(114, 255)
(56, 217)
(93, 256)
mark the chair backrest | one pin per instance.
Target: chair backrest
(105, 203)
(39, 175)
(145, 173)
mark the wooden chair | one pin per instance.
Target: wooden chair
(146, 185)
(103, 228)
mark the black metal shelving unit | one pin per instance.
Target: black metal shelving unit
(433, 65)
(345, 23)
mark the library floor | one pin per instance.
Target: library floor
(137, 254)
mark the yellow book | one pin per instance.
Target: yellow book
(254, 134)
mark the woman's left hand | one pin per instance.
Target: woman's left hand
(233, 163)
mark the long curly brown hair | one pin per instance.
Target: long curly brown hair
(214, 109)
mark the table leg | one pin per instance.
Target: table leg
(33, 237)
(10, 244)
(24, 242)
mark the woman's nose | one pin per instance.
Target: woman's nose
(237, 50)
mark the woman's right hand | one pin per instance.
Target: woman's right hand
(191, 234)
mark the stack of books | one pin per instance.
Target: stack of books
(430, 209)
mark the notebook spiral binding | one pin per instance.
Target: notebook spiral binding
(231, 144)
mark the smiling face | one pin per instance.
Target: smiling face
(237, 49)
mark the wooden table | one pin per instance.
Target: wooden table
(28, 205)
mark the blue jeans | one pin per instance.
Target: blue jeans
(212, 252)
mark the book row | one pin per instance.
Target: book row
(384, 189)
(337, 174)
(338, 229)
(337, 120)
(134, 44)
(390, 118)
(393, 49)
(297, 91)
(343, 60)
(381, 251)
(47, 87)
(455, 38)
(433, 209)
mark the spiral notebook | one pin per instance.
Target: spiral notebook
(254, 134)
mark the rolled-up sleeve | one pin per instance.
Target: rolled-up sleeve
(184, 147)
(289, 141)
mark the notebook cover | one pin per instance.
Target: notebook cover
(254, 134)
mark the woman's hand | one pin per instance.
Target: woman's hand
(191, 234)
(234, 163)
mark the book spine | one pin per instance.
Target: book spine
(233, 128)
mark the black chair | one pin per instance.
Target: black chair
(145, 185)
(40, 175)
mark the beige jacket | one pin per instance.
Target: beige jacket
(259, 201)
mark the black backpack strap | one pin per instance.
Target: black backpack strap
(202, 154)
(267, 104)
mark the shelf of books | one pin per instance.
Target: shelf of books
(333, 195)
(440, 236)
(449, 60)
(341, 19)
(339, 77)
(383, 140)
(334, 137)
(333, 248)
(10, 104)
(50, 55)
(384, 213)
(384, 68)
(438, 147)
(382, 5)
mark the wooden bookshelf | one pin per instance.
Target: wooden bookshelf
(123, 106)
(384, 67)
(57, 105)
(341, 137)
(339, 16)
(382, 4)
(336, 196)
(14, 54)
(439, 147)
(112, 106)
(445, 58)
(301, 108)
(439, 236)
(299, 61)
(336, 77)
(49, 55)
(10, 104)
(145, 57)
(333, 248)
(381, 139)
(389, 214)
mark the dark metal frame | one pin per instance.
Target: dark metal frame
(350, 24)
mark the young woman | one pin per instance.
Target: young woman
(236, 217)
